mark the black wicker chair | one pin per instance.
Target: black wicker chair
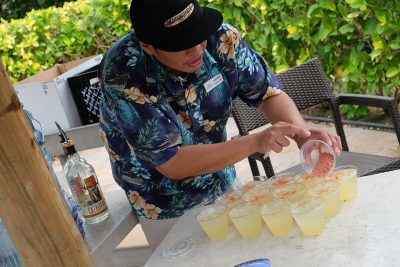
(307, 85)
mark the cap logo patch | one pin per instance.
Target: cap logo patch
(180, 17)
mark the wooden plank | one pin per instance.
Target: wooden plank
(31, 206)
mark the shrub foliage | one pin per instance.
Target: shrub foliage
(358, 41)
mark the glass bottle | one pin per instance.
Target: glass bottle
(84, 185)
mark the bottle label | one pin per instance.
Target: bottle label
(76, 187)
(95, 204)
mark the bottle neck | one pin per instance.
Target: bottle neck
(69, 149)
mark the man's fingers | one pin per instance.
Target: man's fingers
(291, 130)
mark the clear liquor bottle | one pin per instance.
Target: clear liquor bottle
(84, 185)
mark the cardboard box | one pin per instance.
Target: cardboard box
(48, 97)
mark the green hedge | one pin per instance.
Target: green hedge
(358, 41)
(15, 9)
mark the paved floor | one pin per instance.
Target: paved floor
(359, 139)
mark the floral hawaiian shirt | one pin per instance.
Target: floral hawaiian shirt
(148, 113)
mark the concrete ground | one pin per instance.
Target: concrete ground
(359, 139)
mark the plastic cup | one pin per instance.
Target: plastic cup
(308, 180)
(214, 221)
(258, 195)
(330, 193)
(281, 179)
(246, 219)
(277, 217)
(250, 185)
(309, 215)
(317, 158)
(293, 192)
(347, 178)
(230, 200)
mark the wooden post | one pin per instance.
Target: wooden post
(33, 210)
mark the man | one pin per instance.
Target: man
(168, 92)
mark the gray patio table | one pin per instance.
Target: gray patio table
(365, 233)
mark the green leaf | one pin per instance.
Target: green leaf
(357, 4)
(314, 11)
(381, 16)
(346, 28)
(395, 44)
(370, 26)
(327, 4)
(392, 71)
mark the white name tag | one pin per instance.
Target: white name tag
(213, 82)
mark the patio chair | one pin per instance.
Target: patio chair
(307, 85)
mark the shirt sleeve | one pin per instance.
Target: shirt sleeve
(151, 136)
(255, 80)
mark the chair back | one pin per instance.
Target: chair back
(306, 84)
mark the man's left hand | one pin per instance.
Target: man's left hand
(320, 134)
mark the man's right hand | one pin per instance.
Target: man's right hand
(276, 137)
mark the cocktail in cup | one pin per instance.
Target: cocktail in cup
(293, 192)
(347, 178)
(309, 215)
(277, 217)
(308, 180)
(246, 219)
(250, 185)
(330, 193)
(230, 200)
(280, 180)
(259, 195)
(214, 221)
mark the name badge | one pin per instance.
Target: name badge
(213, 82)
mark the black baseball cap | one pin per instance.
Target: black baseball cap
(173, 25)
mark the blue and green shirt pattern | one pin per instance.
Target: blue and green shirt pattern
(147, 113)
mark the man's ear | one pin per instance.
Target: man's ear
(149, 49)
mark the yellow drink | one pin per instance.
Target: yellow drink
(330, 193)
(259, 195)
(309, 215)
(230, 200)
(246, 219)
(347, 178)
(250, 185)
(281, 179)
(214, 221)
(293, 192)
(277, 217)
(308, 180)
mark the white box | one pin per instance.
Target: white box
(48, 97)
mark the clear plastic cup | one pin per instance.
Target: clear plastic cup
(230, 200)
(293, 192)
(249, 185)
(258, 195)
(214, 221)
(309, 215)
(347, 178)
(246, 219)
(277, 217)
(317, 158)
(308, 180)
(281, 179)
(330, 193)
